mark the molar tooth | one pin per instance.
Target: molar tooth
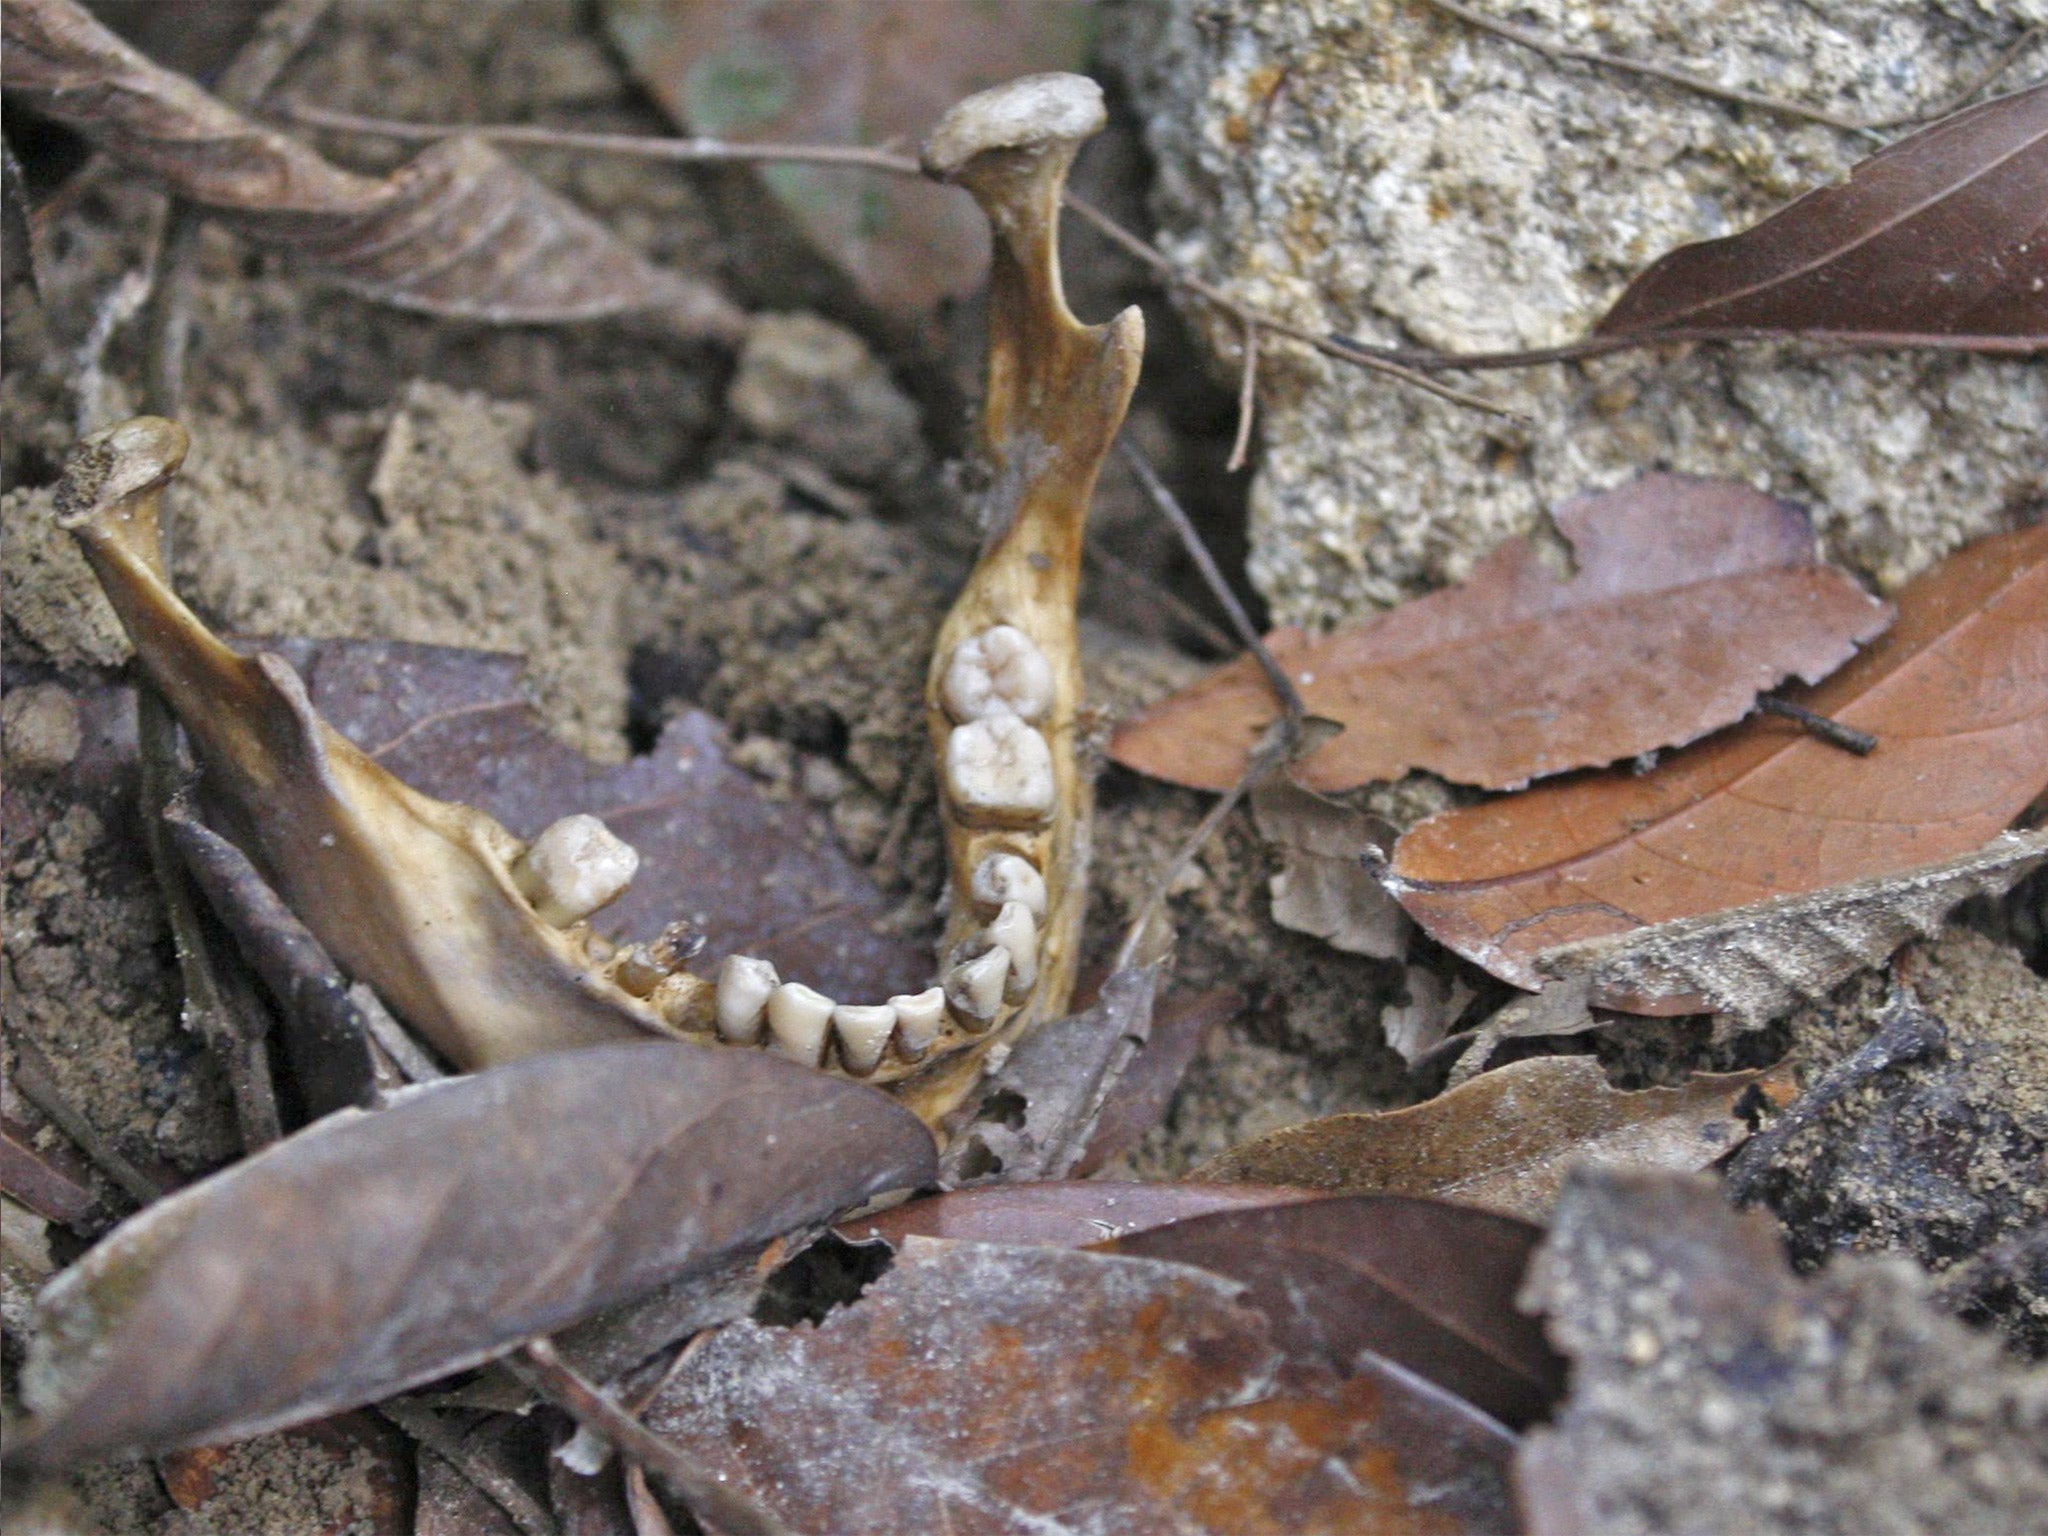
(919, 1019)
(1000, 671)
(798, 1017)
(863, 1030)
(1007, 877)
(573, 868)
(744, 987)
(1000, 770)
(975, 987)
(1016, 930)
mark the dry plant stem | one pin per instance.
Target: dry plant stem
(719, 150)
(544, 1370)
(647, 1515)
(38, 1084)
(1700, 85)
(1247, 401)
(1833, 732)
(520, 1507)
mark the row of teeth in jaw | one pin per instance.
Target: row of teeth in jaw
(998, 771)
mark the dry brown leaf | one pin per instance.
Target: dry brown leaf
(1058, 1213)
(981, 1389)
(1957, 695)
(1324, 886)
(1504, 1139)
(460, 230)
(371, 1252)
(1690, 597)
(854, 72)
(1939, 239)
(1423, 1283)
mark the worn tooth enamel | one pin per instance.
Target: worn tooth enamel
(975, 987)
(919, 1018)
(1005, 877)
(863, 1031)
(1016, 930)
(638, 971)
(1000, 671)
(798, 1017)
(573, 868)
(744, 987)
(999, 770)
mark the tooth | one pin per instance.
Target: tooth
(798, 1017)
(863, 1030)
(1000, 671)
(919, 1019)
(975, 987)
(999, 770)
(1006, 877)
(744, 987)
(573, 868)
(638, 971)
(1016, 930)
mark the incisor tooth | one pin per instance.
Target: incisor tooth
(863, 1030)
(1016, 930)
(744, 987)
(798, 1017)
(1000, 671)
(1007, 877)
(999, 770)
(919, 1019)
(573, 868)
(975, 987)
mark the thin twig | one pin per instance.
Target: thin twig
(544, 1370)
(425, 1426)
(1182, 610)
(1833, 732)
(888, 162)
(1247, 400)
(1551, 49)
(38, 1084)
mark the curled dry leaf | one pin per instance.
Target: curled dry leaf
(1957, 695)
(458, 231)
(371, 1252)
(1939, 239)
(1181, 1023)
(1423, 1283)
(1058, 1213)
(853, 72)
(1689, 598)
(1324, 886)
(1504, 1140)
(1714, 1391)
(984, 1389)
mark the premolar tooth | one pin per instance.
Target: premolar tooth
(863, 1030)
(1000, 671)
(1016, 930)
(573, 868)
(1005, 877)
(919, 1019)
(798, 1017)
(999, 770)
(975, 987)
(638, 971)
(744, 987)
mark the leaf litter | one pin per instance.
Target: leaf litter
(1689, 597)
(1855, 852)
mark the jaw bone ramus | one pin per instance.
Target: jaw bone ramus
(479, 940)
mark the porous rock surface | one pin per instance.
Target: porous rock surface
(1382, 169)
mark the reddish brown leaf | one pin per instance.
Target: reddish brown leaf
(1939, 239)
(1504, 1139)
(1060, 1213)
(1691, 596)
(850, 72)
(983, 1389)
(41, 1183)
(371, 1252)
(460, 230)
(1139, 1099)
(1423, 1283)
(757, 876)
(1957, 695)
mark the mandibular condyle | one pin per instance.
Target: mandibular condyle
(482, 942)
